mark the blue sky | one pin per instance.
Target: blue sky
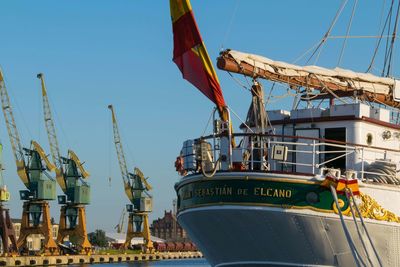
(96, 52)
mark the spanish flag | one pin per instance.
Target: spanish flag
(190, 53)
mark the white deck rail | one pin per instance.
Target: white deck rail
(306, 155)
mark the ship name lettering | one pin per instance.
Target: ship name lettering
(217, 191)
(187, 194)
(242, 191)
(272, 192)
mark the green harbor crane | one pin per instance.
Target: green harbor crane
(32, 166)
(136, 189)
(71, 176)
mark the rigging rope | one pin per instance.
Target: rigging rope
(237, 116)
(322, 42)
(350, 241)
(230, 24)
(264, 104)
(238, 82)
(208, 122)
(305, 53)
(319, 46)
(329, 90)
(358, 36)
(270, 93)
(351, 203)
(380, 39)
(365, 227)
(382, 172)
(393, 40)
(347, 32)
(387, 39)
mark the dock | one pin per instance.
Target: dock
(92, 259)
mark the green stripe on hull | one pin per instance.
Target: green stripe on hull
(280, 193)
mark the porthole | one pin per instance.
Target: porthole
(312, 198)
(369, 139)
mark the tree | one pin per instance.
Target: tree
(98, 238)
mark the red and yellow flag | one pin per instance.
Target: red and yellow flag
(190, 53)
(351, 184)
(342, 184)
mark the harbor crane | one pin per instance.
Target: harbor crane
(32, 166)
(136, 189)
(71, 176)
(7, 233)
(120, 226)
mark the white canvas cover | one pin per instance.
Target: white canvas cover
(396, 91)
(339, 76)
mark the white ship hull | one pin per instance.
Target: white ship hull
(265, 236)
(232, 229)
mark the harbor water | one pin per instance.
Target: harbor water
(164, 263)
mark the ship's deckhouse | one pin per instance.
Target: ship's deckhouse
(364, 135)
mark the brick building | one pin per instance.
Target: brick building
(168, 228)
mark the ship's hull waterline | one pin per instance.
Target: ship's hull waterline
(230, 233)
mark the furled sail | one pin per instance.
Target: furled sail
(335, 82)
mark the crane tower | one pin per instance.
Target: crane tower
(7, 233)
(136, 189)
(32, 166)
(70, 176)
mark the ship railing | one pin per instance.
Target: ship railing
(374, 162)
(292, 154)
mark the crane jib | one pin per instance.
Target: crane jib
(13, 133)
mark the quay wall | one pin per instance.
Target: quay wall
(92, 259)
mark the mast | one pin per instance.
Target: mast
(257, 116)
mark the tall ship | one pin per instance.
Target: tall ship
(312, 186)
